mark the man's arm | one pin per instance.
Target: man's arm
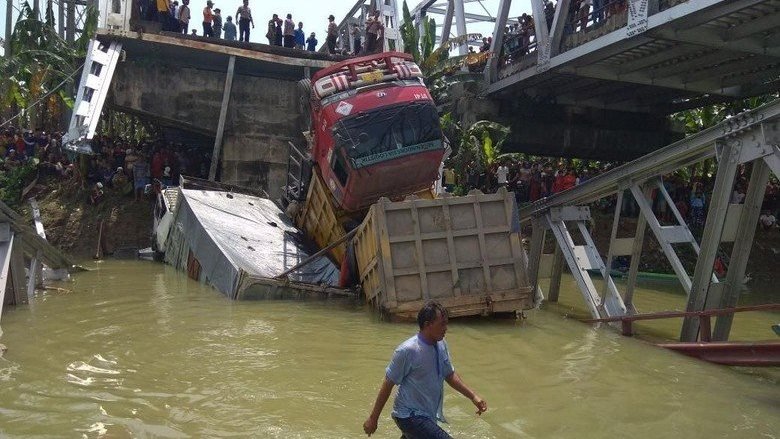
(381, 399)
(456, 383)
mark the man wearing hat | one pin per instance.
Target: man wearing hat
(208, 17)
(217, 23)
(332, 33)
(311, 43)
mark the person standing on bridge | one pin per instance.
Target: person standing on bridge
(184, 17)
(244, 15)
(289, 32)
(419, 367)
(330, 41)
(208, 17)
(217, 23)
(230, 29)
(300, 37)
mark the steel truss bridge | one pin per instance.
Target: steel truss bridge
(657, 56)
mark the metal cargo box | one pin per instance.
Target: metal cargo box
(464, 252)
(318, 218)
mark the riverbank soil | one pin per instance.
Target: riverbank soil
(72, 223)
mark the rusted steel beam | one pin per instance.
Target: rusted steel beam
(677, 314)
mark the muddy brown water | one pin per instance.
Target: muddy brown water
(136, 349)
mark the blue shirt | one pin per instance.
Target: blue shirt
(300, 38)
(419, 370)
(311, 44)
(230, 30)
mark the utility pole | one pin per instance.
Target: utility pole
(70, 27)
(61, 20)
(37, 9)
(9, 12)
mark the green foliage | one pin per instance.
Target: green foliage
(480, 143)
(14, 180)
(38, 61)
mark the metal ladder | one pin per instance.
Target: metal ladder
(95, 81)
(389, 15)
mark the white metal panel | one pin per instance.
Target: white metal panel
(676, 234)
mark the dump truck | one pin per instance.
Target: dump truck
(361, 189)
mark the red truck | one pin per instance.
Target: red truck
(375, 130)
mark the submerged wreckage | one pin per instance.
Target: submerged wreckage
(361, 192)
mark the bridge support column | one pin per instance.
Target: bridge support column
(447, 26)
(555, 276)
(542, 36)
(535, 253)
(460, 24)
(743, 242)
(758, 145)
(222, 117)
(491, 70)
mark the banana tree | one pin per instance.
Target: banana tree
(35, 74)
(478, 145)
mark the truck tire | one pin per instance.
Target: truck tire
(304, 102)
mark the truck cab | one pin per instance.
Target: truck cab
(375, 129)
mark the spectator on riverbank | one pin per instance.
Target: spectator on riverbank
(767, 220)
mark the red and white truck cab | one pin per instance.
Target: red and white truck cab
(375, 129)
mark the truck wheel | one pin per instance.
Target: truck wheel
(304, 102)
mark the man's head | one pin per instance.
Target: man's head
(300, 25)
(229, 18)
(209, 3)
(432, 320)
(289, 16)
(331, 17)
(217, 11)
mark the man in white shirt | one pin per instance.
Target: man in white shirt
(501, 174)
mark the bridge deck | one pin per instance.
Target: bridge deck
(691, 54)
(252, 59)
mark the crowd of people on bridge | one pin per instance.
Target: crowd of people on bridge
(176, 17)
(519, 37)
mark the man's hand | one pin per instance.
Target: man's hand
(370, 426)
(480, 403)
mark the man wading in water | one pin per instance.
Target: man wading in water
(419, 366)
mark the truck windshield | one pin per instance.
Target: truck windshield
(388, 133)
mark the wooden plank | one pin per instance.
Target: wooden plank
(685, 314)
(33, 243)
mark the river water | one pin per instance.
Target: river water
(136, 349)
